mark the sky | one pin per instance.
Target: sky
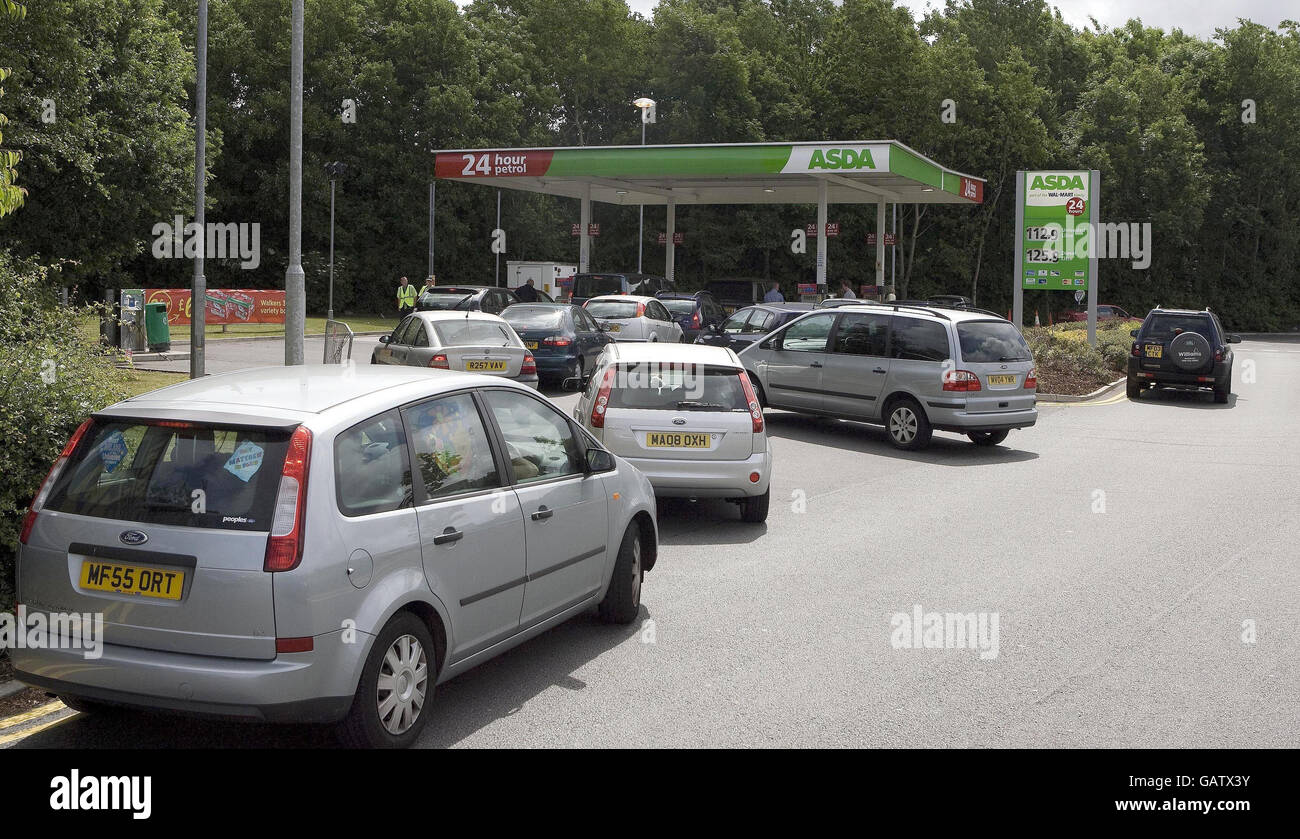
(1197, 17)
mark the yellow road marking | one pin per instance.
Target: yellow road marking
(35, 713)
(6, 739)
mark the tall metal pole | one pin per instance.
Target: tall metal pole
(330, 312)
(431, 239)
(199, 291)
(497, 279)
(640, 228)
(295, 292)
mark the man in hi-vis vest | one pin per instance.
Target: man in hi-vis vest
(405, 298)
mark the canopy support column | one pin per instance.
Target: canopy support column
(584, 241)
(670, 259)
(821, 236)
(880, 245)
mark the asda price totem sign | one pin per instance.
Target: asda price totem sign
(1056, 220)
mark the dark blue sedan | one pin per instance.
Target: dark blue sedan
(751, 323)
(563, 338)
(695, 313)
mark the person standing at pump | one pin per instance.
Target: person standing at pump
(846, 293)
(429, 283)
(527, 293)
(405, 298)
(774, 294)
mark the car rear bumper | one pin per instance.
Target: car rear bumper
(706, 478)
(313, 687)
(953, 416)
(1219, 375)
(554, 365)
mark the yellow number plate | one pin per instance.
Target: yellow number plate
(490, 366)
(676, 440)
(532, 345)
(1002, 380)
(132, 579)
(1154, 350)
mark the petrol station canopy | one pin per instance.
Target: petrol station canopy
(853, 172)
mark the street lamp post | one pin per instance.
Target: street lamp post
(199, 291)
(295, 292)
(647, 108)
(335, 170)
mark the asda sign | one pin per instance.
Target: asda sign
(1067, 181)
(1054, 215)
(872, 157)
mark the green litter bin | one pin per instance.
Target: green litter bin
(157, 332)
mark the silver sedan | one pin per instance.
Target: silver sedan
(475, 342)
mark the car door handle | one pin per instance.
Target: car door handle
(879, 370)
(449, 536)
(542, 513)
(815, 364)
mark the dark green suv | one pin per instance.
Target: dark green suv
(1181, 348)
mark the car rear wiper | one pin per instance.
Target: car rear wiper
(1016, 358)
(690, 405)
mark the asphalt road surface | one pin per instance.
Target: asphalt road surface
(1124, 548)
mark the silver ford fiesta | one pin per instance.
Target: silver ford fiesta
(323, 544)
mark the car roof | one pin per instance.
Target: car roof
(459, 315)
(289, 393)
(681, 295)
(456, 289)
(788, 306)
(936, 312)
(635, 298)
(1205, 312)
(665, 352)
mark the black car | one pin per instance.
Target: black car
(470, 298)
(734, 293)
(749, 324)
(951, 301)
(694, 313)
(1181, 348)
(587, 286)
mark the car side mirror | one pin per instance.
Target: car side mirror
(599, 460)
(1133, 333)
(384, 339)
(1234, 339)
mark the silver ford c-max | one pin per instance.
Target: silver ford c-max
(323, 544)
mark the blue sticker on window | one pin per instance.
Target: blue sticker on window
(112, 451)
(245, 461)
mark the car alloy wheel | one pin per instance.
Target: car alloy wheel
(902, 424)
(636, 572)
(403, 684)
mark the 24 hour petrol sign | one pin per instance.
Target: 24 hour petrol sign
(1057, 211)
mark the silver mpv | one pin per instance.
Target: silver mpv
(913, 369)
(323, 544)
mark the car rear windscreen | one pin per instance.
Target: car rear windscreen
(177, 474)
(1164, 327)
(445, 299)
(594, 285)
(612, 308)
(990, 342)
(679, 307)
(464, 333)
(534, 317)
(678, 387)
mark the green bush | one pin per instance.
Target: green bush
(50, 380)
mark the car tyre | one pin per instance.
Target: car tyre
(404, 659)
(622, 601)
(1133, 387)
(758, 391)
(753, 510)
(987, 438)
(908, 426)
(1221, 394)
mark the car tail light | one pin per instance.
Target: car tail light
(1136, 351)
(1031, 380)
(640, 309)
(962, 381)
(284, 546)
(294, 645)
(695, 319)
(751, 400)
(557, 341)
(530, 366)
(602, 400)
(53, 475)
(1218, 354)
(440, 361)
